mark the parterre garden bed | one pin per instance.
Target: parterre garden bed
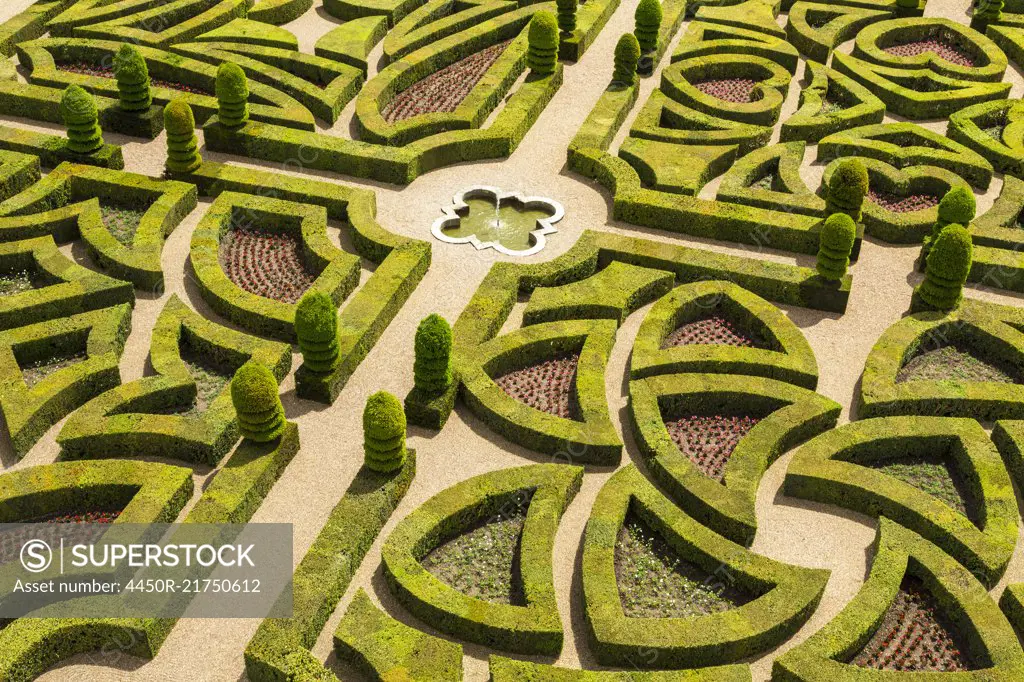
(954, 363)
(548, 386)
(709, 440)
(266, 264)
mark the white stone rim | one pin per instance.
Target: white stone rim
(545, 226)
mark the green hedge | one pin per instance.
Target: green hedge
(278, 11)
(815, 40)
(511, 670)
(534, 628)
(788, 191)
(785, 595)
(17, 173)
(812, 121)
(834, 468)
(180, 21)
(352, 42)
(703, 39)
(252, 32)
(53, 150)
(766, 102)
(971, 125)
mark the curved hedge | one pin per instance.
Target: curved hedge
(766, 101)
(512, 670)
(781, 164)
(814, 121)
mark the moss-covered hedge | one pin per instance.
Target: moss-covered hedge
(814, 121)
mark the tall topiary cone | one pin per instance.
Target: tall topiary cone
(232, 95)
(648, 24)
(78, 109)
(835, 245)
(182, 144)
(316, 326)
(543, 43)
(566, 16)
(948, 264)
(433, 364)
(847, 188)
(384, 432)
(627, 54)
(254, 394)
(132, 79)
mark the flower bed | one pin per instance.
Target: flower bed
(913, 636)
(927, 473)
(548, 386)
(939, 45)
(266, 264)
(709, 440)
(37, 371)
(738, 90)
(121, 221)
(903, 204)
(952, 363)
(654, 582)
(84, 517)
(710, 331)
(484, 561)
(444, 90)
(100, 71)
(16, 283)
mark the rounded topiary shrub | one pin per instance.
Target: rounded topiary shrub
(627, 54)
(957, 206)
(316, 327)
(648, 24)
(948, 264)
(988, 12)
(132, 76)
(384, 432)
(566, 16)
(835, 243)
(543, 43)
(182, 144)
(433, 364)
(232, 95)
(257, 403)
(847, 188)
(78, 109)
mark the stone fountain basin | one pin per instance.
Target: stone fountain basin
(508, 222)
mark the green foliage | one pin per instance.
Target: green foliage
(627, 54)
(256, 400)
(989, 11)
(567, 15)
(908, 4)
(838, 235)
(433, 364)
(847, 189)
(182, 143)
(384, 432)
(957, 206)
(78, 109)
(543, 43)
(132, 79)
(948, 264)
(316, 327)
(232, 95)
(648, 24)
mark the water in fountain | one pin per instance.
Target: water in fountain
(497, 211)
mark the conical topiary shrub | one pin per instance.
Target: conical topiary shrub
(384, 432)
(958, 206)
(257, 403)
(543, 43)
(566, 16)
(948, 264)
(835, 243)
(132, 79)
(78, 109)
(847, 188)
(232, 95)
(433, 364)
(627, 54)
(182, 144)
(648, 24)
(987, 12)
(316, 326)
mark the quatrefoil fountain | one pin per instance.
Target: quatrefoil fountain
(507, 222)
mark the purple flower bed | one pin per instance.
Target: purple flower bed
(907, 204)
(266, 264)
(108, 72)
(709, 331)
(547, 386)
(709, 441)
(939, 46)
(738, 90)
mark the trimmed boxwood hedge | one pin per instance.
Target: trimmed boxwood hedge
(133, 417)
(786, 595)
(812, 123)
(280, 649)
(833, 469)
(535, 628)
(816, 41)
(969, 127)
(702, 39)
(766, 102)
(988, 636)
(665, 120)
(788, 192)
(53, 149)
(17, 172)
(179, 21)
(511, 670)
(252, 32)
(352, 42)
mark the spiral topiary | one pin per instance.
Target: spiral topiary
(316, 326)
(835, 243)
(78, 109)
(988, 12)
(543, 43)
(627, 54)
(958, 206)
(948, 264)
(847, 188)
(232, 95)
(182, 144)
(433, 364)
(132, 76)
(257, 403)
(566, 16)
(384, 432)
(648, 24)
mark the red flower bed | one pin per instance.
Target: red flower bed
(709, 441)
(444, 90)
(939, 46)
(547, 386)
(738, 90)
(266, 264)
(913, 636)
(707, 332)
(907, 204)
(84, 517)
(108, 72)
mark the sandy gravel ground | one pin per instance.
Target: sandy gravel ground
(797, 532)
